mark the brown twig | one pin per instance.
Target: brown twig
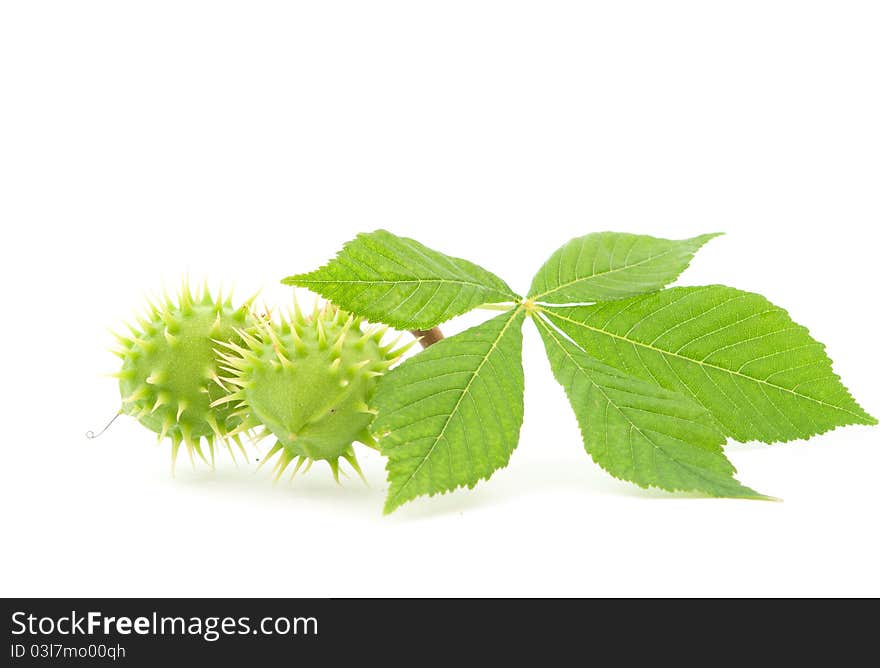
(427, 337)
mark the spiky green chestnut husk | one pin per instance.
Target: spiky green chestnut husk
(169, 377)
(309, 381)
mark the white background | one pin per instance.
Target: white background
(246, 141)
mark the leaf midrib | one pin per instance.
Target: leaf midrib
(703, 364)
(465, 391)
(563, 286)
(694, 469)
(498, 291)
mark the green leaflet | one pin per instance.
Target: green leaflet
(640, 432)
(612, 265)
(451, 415)
(400, 282)
(759, 374)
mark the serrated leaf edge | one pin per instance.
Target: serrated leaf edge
(870, 419)
(390, 506)
(306, 280)
(700, 239)
(748, 493)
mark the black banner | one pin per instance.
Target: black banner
(146, 632)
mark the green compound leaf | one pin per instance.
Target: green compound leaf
(612, 265)
(759, 374)
(400, 282)
(450, 416)
(640, 432)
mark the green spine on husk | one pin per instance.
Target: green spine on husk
(309, 382)
(169, 378)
